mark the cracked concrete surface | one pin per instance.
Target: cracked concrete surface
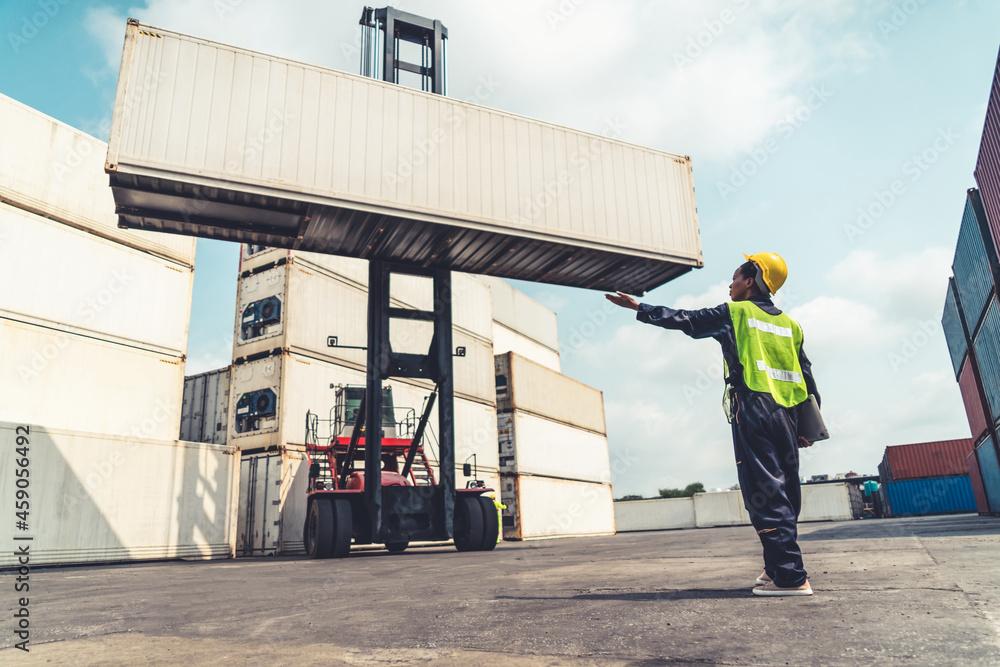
(924, 591)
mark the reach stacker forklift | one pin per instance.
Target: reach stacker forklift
(409, 504)
(343, 504)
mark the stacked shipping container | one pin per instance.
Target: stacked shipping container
(522, 325)
(288, 306)
(554, 463)
(289, 303)
(927, 478)
(94, 338)
(971, 322)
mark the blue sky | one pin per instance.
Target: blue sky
(799, 115)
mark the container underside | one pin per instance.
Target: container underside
(156, 204)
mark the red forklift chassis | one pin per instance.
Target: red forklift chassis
(409, 504)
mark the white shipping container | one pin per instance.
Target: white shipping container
(56, 171)
(205, 407)
(506, 340)
(272, 507)
(303, 384)
(66, 380)
(313, 305)
(523, 385)
(101, 498)
(539, 507)
(338, 153)
(470, 296)
(531, 445)
(519, 313)
(654, 514)
(720, 508)
(68, 277)
(826, 502)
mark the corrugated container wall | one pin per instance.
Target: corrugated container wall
(973, 402)
(308, 304)
(57, 171)
(988, 164)
(524, 385)
(954, 334)
(522, 325)
(971, 265)
(987, 346)
(976, 479)
(580, 209)
(72, 280)
(71, 381)
(539, 507)
(931, 495)
(301, 384)
(926, 459)
(205, 407)
(103, 498)
(990, 469)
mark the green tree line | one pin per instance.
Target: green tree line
(686, 492)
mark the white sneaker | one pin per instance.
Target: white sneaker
(771, 590)
(763, 580)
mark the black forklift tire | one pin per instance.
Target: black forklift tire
(468, 524)
(396, 547)
(342, 527)
(319, 529)
(491, 524)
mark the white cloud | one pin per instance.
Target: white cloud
(898, 286)
(747, 75)
(107, 26)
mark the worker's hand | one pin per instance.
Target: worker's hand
(623, 300)
(804, 443)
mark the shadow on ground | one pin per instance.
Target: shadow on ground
(944, 525)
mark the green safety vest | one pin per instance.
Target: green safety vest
(768, 347)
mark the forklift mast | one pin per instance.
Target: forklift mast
(382, 505)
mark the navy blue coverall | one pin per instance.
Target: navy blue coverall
(764, 436)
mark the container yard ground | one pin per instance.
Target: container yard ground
(923, 590)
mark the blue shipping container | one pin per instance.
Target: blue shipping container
(990, 469)
(953, 333)
(932, 495)
(972, 265)
(987, 346)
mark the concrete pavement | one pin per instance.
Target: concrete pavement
(895, 591)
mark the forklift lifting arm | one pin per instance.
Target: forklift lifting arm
(418, 436)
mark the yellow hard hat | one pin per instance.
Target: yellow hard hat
(772, 267)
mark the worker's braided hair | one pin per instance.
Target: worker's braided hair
(749, 270)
